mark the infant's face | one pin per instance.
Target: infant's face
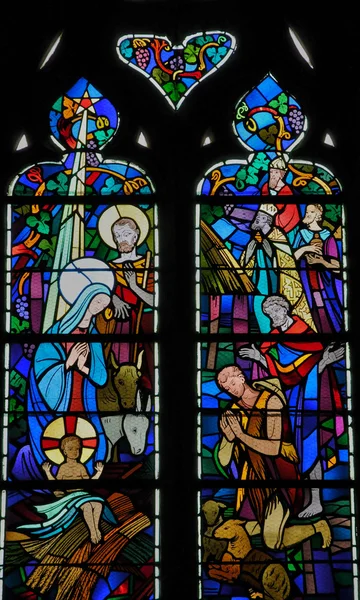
(72, 449)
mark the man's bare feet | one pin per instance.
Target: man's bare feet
(313, 509)
(95, 536)
(323, 528)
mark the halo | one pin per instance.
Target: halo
(118, 211)
(82, 272)
(69, 425)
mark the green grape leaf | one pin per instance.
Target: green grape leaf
(240, 178)
(18, 326)
(175, 90)
(49, 246)
(40, 224)
(15, 407)
(261, 161)
(160, 76)
(103, 135)
(324, 175)
(333, 212)
(252, 175)
(204, 39)
(313, 188)
(269, 135)
(191, 53)
(60, 185)
(280, 103)
(21, 190)
(126, 50)
(304, 168)
(110, 187)
(216, 54)
(18, 382)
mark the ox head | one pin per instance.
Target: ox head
(125, 380)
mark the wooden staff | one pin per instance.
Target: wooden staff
(141, 307)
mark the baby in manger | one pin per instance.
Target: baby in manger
(72, 468)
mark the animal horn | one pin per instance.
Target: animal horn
(139, 360)
(113, 362)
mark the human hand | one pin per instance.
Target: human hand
(83, 357)
(332, 355)
(46, 466)
(234, 423)
(130, 275)
(121, 308)
(99, 467)
(75, 352)
(226, 429)
(251, 353)
(314, 248)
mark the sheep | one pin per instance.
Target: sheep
(265, 577)
(213, 517)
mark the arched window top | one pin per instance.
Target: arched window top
(269, 122)
(82, 121)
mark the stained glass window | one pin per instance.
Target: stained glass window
(81, 397)
(275, 408)
(140, 123)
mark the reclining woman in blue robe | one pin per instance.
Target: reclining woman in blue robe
(63, 379)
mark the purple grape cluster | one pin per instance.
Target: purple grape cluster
(142, 56)
(176, 63)
(92, 159)
(92, 145)
(22, 307)
(228, 208)
(224, 191)
(296, 120)
(29, 350)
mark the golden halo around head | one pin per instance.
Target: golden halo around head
(119, 211)
(67, 426)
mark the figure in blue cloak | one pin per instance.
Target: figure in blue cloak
(64, 377)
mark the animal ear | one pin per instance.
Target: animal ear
(113, 362)
(221, 505)
(138, 401)
(148, 404)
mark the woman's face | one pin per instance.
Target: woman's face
(98, 303)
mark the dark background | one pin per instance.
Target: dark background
(176, 160)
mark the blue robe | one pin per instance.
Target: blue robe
(50, 384)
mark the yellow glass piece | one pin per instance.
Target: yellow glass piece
(86, 454)
(331, 462)
(84, 429)
(55, 456)
(55, 429)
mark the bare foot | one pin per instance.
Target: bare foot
(311, 510)
(95, 536)
(323, 528)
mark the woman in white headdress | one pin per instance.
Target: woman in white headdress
(65, 374)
